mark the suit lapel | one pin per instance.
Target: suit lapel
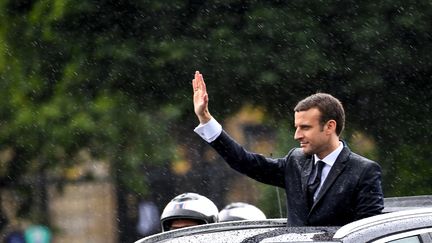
(335, 171)
(306, 170)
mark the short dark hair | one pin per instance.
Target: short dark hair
(330, 108)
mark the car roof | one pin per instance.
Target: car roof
(268, 230)
(393, 204)
(382, 225)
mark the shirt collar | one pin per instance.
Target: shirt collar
(331, 158)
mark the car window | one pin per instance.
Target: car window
(413, 236)
(412, 239)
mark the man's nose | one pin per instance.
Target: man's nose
(298, 135)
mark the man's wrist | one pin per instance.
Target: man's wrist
(205, 118)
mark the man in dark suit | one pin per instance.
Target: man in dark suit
(326, 184)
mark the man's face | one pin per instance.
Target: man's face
(313, 138)
(182, 223)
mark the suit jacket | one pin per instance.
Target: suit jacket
(351, 191)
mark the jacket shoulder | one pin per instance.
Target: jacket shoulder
(363, 161)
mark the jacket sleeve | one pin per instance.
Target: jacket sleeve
(263, 169)
(370, 199)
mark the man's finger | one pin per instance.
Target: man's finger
(203, 86)
(197, 73)
(200, 81)
(194, 85)
(196, 81)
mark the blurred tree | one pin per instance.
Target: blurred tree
(67, 86)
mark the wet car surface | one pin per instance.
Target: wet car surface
(404, 220)
(244, 231)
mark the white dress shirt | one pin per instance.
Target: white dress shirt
(329, 160)
(209, 131)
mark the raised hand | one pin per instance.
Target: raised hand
(200, 98)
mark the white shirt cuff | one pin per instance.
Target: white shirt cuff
(209, 131)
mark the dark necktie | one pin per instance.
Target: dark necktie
(313, 186)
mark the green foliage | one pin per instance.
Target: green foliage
(69, 84)
(413, 171)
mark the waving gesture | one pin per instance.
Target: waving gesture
(200, 98)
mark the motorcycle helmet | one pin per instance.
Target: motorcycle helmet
(240, 211)
(189, 206)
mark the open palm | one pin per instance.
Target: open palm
(200, 98)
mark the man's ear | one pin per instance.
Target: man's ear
(330, 126)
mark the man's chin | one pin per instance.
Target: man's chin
(307, 151)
